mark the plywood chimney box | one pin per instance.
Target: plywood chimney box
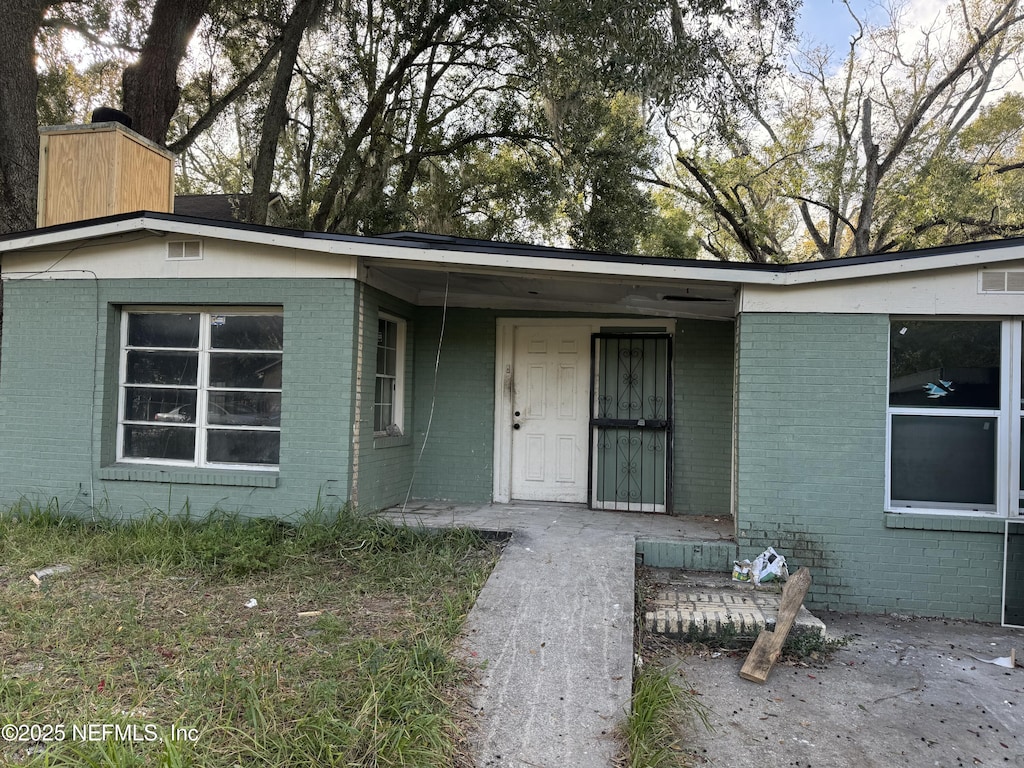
(100, 169)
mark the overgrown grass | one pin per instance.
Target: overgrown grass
(346, 659)
(801, 646)
(660, 704)
(659, 708)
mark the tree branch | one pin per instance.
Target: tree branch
(999, 24)
(746, 239)
(58, 24)
(982, 226)
(215, 109)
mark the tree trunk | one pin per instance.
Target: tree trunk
(150, 85)
(19, 138)
(862, 234)
(276, 115)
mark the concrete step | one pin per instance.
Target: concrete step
(703, 606)
(693, 555)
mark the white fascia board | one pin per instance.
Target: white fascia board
(387, 254)
(503, 264)
(834, 272)
(42, 239)
(893, 267)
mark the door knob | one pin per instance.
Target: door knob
(515, 426)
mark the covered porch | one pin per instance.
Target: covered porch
(532, 377)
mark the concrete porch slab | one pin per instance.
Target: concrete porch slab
(648, 529)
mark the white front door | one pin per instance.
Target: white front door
(550, 412)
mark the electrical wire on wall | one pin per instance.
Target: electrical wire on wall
(28, 275)
(433, 393)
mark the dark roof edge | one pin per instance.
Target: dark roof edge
(451, 243)
(920, 253)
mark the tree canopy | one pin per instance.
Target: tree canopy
(912, 140)
(496, 118)
(695, 128)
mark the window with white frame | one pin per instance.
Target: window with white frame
(949, 415)
(201, 388)
(389, 381)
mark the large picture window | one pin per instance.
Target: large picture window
(946, 415)
(201, 388)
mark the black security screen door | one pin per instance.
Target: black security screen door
(631, 422)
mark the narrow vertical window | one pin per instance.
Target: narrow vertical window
(388, 382)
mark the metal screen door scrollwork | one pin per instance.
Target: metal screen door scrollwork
(631, 422)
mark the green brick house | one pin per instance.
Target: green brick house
(864, 416)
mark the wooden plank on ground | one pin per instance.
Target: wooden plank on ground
(768, 646)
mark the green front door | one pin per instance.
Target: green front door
(631, 422)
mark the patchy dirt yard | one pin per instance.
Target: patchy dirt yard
(167, 642)
(902, 692)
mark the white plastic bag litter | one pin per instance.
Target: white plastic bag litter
(768, 566)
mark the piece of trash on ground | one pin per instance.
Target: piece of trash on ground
(768, 646)
(37, 576)
(768, 566)
(251, 603)
(309, 614)
(1009, 662)
(741, 570)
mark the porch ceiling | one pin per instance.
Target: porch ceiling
(547, 292)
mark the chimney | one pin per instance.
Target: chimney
(101, 169)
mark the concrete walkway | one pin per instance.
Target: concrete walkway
(552, 630)
(554, 627)
(904, 693)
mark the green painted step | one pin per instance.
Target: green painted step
(687, 555)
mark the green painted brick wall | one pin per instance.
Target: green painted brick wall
(457, 462)
(384, 462)
(688, 555)
(812, 393)
(1015, 575)
(703, 371)
(58, 396)
(58, 428)
(46, 405)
